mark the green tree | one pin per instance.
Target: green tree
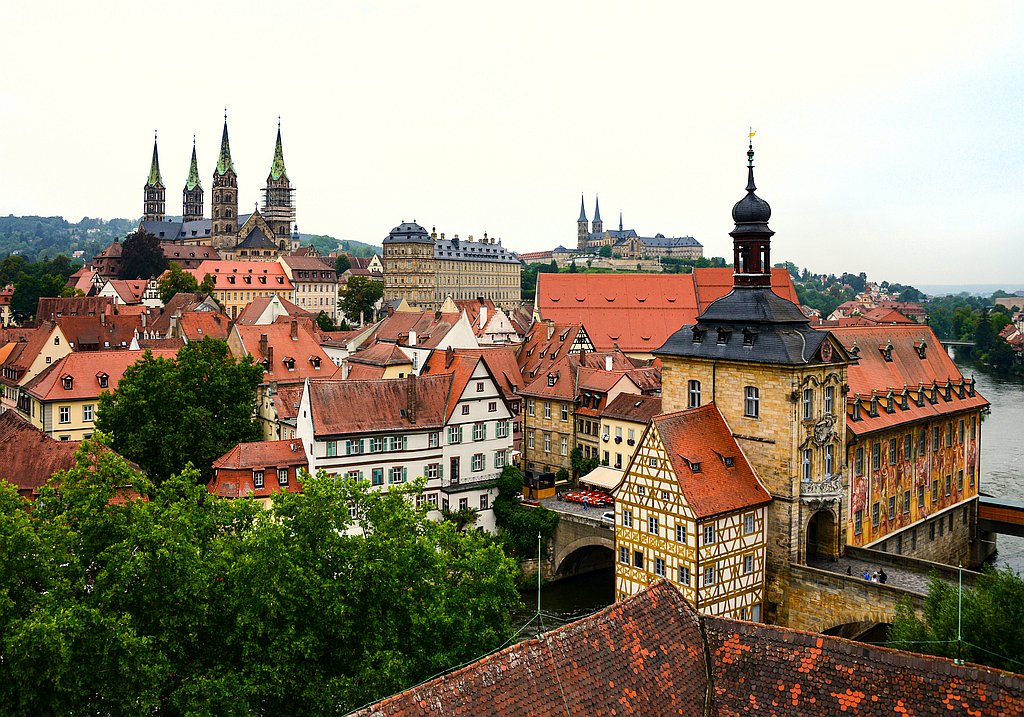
(167, 413)
(342, 264)
(359, 296)
(176, 280)
(324, 322)
(991, 617)
(209, 284)
(141, 256)
(605, 251)
(38, 279)
(519, 525)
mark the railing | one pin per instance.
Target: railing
(474, 478)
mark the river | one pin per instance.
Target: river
(1002, 472)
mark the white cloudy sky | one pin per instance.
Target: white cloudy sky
(888, 132)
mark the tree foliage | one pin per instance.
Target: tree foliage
(193, 408)
(141, 256)
(32, 281)
(992, 621)
(176, 280)
(192, 604)
(359, 296)
(519, 525)
(342, 264)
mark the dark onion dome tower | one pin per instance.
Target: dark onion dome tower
(224, 201)
(582, 227)
(192, 194)
(278, 196)
(154, 193)
(751, 322)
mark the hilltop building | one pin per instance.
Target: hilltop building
(425, 269)
(627, 243)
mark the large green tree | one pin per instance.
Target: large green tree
(192, 408)
(359, 296)
(176, 280)
(141, 256)
(47, 277)
(192, 604)
(990, 615)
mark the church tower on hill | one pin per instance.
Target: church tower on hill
(192, 194)
(582, 227)
(780, 386)
(224, 202)
(278, 204)
(154, 191)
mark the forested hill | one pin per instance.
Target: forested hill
(38, 238)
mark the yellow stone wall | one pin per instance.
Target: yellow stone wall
(545, 461)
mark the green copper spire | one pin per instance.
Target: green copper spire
(277, 169)
(154, 168)
(193, 172)
(224, 164)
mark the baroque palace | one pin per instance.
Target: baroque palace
(262, 235)
(780, 444)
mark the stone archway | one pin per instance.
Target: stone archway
(583, 555)
(822, 536)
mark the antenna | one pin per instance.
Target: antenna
(539, 624)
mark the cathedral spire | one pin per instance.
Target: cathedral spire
(583, 210)
(193, 171)
(155, 180)
(192, 194)
(620, 221)
(277, 169)
(224, 164)
(597, 224)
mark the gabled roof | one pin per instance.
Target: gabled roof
(430, 327)
(381, 354)
(196, 325)
(545, 343)
(82, 280)
(701, 435)
(268, 309)
(84, 368)
(256, 239)
(130, 291)
(24, 354)
(302, 349)
(231, 275)
(557, 380)
(29, 456)
(500, 361)
(629, 407)
(340, 407)
(108, 331)
(309, 263)
(263, 454)
(49, 307)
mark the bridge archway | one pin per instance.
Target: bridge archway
(583, 556)
(822, 536)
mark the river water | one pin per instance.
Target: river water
(1002, 476)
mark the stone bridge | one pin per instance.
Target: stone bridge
(582, 542)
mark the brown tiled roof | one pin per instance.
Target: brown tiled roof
(263, 454)
(563, 372)
(361, 372)
(544, 344)
(84, 368)
(106, 331)
(307, 263)
(304, 348)
(286, 401)
(430, 327)
(701, 435)
(381, 354)
(29, 457)
(15, 333)
(197, 325)
(251, 313)
(340, 407)
(500, 360)
(21, 360)
(651, 654)
(183, 301)
(130, 290)
(627, 407)
(641, 656)
(50, 306)
(173, 344)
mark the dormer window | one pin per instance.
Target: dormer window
(551, 379)
(289, 363)
(315, 360)
(231, 279)
(263, 280)
(104, 380)
(921, 346)
(890, 403)
(728, 460)
(695, 466)
(749, 337)
(886, 351)
(873, 411)
(723, 336)
(69, 383)
(698, 335)
(856, 409)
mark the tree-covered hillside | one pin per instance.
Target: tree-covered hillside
(38, 238)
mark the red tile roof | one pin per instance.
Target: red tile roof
(233, 472)
(628, 407)
(84, 369)
(263, 454)
(701, 435)
(303, 349)
(29, 457)
(25, 353)
(130, 290)
(557, 381)
(430, 327)
(638, 312)
(252, 311)
(224, 271)
(381, 354)
(339, 407)
(49, 307)
(500, 360)
(545, 343)
(197, 325)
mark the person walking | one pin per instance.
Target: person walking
(867, 575)
(882, 577)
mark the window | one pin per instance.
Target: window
(463, 503)
(748, 564)
(638, 559)
(530, 407)
(960, 434)
(709, 534)
(684, 576)
(694, 394)
(830, 399)
(806, 465)
(748, 523)
(501, 429)
(920, 496)
(397, 443)
(432, 471)
(906, 501)
(434, 440)
(935, 438)
(709, 575)
(529, 439)
(87, 411)
(652, 461)
(680, 533)
(627, 518)
(477, 463)
(376, 445)
(547, 442)
(874, 515)
(652, 525)
(547, 409)
(949, 434)
(808, 403)
(257, 479)
(858, 461)
(751, 401)
(282, 476)
(492, 406)
(618, 460)
(949, 484)
(935, 490)
(377, 476)
(960, 481)
(892, 507)
(353, 447)
(454, 434)
(659, 567)
(624, 555)
(565, 412)
(876, 456)
(892, 451)
(397, 474)
(65, 414)
(479, 386)
(922, 441)
(908, 446)
(479, 431)
(931, 531)
(858, 522)
(465, 409)
(499, 459)
(828, 461)
(631, 436)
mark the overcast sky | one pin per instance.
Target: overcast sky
(888, 134)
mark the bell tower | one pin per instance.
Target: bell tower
(582, 227)
(192, 194)
(154, 192)
(278, 197)
(598, 224)
(224, 202)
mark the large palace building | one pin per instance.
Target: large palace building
(258, 236)
(424, 269)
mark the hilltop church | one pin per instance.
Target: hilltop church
(262, 235)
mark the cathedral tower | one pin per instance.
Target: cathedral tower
(278, 197)
(598, 224)
(582, 227)
(154, 192)
(224, 202)
(192, 194)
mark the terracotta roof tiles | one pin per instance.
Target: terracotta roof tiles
(338, 406)
(77, 375)
(628, 407)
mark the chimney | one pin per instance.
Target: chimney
(270, 358)
(294, 447)
(551, 327)
(437, 315)
(345, 370)
(391, 310)
(263, 345)
(412, 337)
(449, 356)
(483, 314)
(608, 362)
(411, 397)
(295, 330)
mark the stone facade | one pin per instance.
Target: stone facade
(549, 437)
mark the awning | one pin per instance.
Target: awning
(602, 477)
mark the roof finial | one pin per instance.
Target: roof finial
(750, 160)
